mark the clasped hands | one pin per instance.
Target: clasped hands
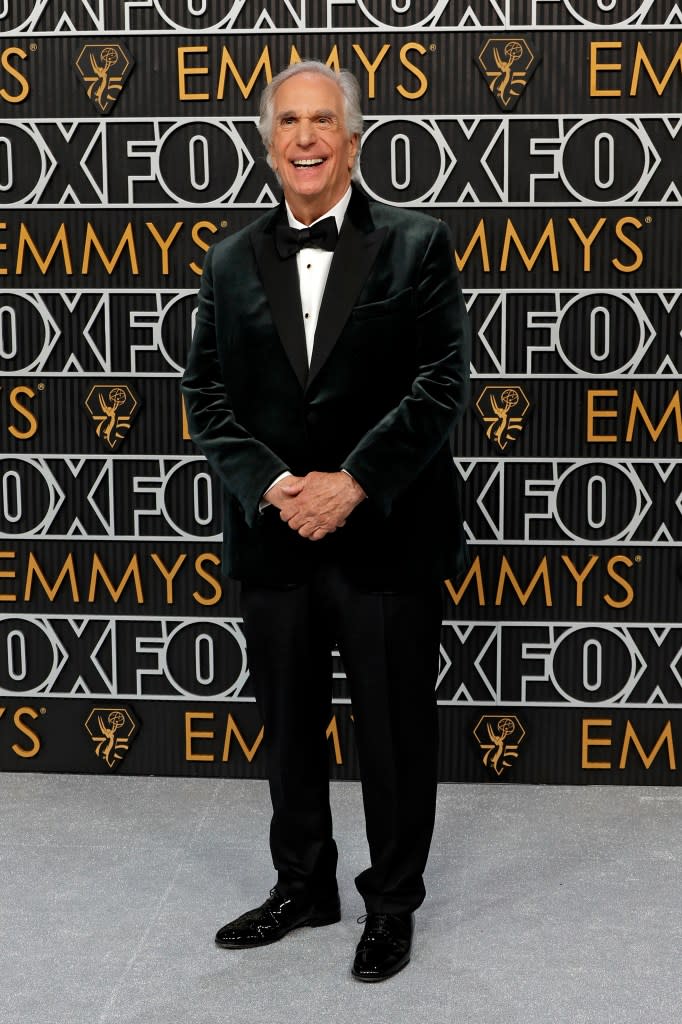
(316, 504)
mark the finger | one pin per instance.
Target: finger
(318, 534)
(292, 487)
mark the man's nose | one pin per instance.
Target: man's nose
(305, 134)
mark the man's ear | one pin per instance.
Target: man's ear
(354, 145)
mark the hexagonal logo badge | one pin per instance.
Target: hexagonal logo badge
(507, 64)
(112, 408)
(111, 731)
(503, 409)
(499, 737)
(103, 69)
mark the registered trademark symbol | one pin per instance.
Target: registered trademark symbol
(41, 386)
(648, 220)
(43, 711)
(638, 558)
(33, 47)
(433, 47)
(223, 223)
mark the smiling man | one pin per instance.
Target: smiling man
(327, 369)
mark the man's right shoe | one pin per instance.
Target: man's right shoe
(276, 918)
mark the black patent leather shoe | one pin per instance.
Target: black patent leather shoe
(384, 948)
(276, 918)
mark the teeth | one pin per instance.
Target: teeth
(308, 163)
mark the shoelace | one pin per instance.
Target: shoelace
(380, 926)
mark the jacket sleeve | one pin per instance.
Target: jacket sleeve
(245, 465)
(392, 454)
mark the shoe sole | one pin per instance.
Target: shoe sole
(312, 922)
(368, 978)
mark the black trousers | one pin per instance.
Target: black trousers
(389, 644)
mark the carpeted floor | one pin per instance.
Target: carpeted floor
(545, 906)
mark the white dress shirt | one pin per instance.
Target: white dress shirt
(313, 270)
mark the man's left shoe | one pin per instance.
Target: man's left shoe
(384, 948)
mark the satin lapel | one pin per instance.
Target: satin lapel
(280, 281)
(354, 257)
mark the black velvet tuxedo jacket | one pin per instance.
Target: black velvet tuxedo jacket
(387, 381)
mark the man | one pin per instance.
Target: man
(328, 366)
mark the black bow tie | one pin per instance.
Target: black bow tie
(322, 235)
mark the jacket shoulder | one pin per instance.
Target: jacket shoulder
(410, 222)
(234, 245)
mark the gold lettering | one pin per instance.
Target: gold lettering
(191, 734)
(98, 570)
(8, 574)
(588, 741)
(127, 240)
(17, 97)
(164, 244)
(3, 247)
(478, 238)
(332, 61)
(184, 72)
(67, 569)
(541, 573)
(655, 432)
(625, 584)
(417, 72)
(648, 759)
(593, 413)
(587, 240)
(168, 574)
(19, 716)
(214, 581)
(547, 237)
(23, 435)
(333, 732)
(579, 577)
(60, 241)
(371, 67)
(202, 225)
(642, 61)
(233, 730)
(246, 88)
(597, 68)
(474, 572)
(186, 436)
(628, 268)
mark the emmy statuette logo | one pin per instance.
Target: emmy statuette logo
(503, 410)
(103, 70)
(499, 737)
(111, 730)
(507, 64)
(112, 408)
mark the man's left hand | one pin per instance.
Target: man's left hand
(323, 504)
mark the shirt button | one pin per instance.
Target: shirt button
(307, 315)
(308, 266)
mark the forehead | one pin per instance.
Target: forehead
(307, 92)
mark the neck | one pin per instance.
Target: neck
(307, 209)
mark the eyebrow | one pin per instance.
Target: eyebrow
(315, 113)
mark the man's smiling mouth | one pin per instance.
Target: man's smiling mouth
(310, 162)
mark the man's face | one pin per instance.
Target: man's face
(311, 150)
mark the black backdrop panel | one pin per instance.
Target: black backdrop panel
(129, 144)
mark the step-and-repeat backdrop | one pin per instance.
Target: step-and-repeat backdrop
(547, 133)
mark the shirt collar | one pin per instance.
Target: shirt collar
(338, 212)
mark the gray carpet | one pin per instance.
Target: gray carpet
(545, 905)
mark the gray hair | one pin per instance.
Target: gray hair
(350, 90)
